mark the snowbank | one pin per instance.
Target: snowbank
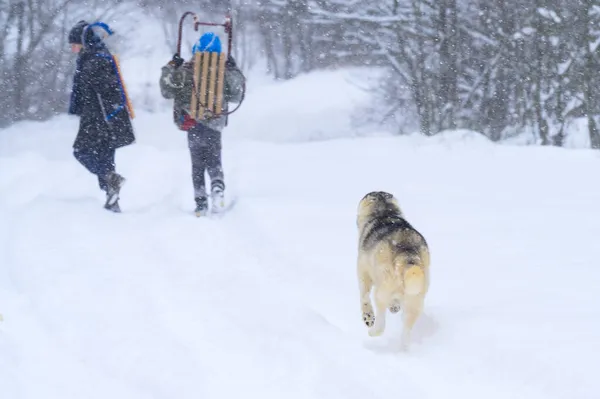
(154, 303)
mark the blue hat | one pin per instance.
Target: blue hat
(208, 42)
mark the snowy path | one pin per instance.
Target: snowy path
(155, 303)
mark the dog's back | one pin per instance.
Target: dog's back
(396, 249)
(393, 258)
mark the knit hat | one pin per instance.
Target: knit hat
(208, 42)
(75, 35)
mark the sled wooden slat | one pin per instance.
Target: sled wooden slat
(194, 104)
(212, 83)
(220, 83)
(209, 75)
(203, 84)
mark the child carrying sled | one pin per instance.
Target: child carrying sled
(203, 129)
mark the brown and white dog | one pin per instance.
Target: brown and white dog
(393, 260)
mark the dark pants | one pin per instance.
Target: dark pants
(205, 150)
(99, 161)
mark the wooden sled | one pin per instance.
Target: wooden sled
(209, 74)
(128, 104)
(209, 82)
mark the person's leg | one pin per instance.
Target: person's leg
(98, 162)
(110, 179)
(214, 167)
(101, 162)
(214, 163)
(106, 168)
(197, 147)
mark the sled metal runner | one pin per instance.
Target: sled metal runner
(209, 73)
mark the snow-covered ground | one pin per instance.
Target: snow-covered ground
(155, 303)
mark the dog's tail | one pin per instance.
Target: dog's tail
(414, 280)
(414, 277)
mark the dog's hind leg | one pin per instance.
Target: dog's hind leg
(364, 285)
(381, 304)
(412, 310)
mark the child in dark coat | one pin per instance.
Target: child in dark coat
(98, 98)
(204, 136)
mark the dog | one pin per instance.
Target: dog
(393, 260)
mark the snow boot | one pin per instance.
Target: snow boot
(218, 199)
(113, 208)
(201, 206)
(114, 182)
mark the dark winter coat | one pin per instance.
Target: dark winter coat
(98, 98)
(177, 83)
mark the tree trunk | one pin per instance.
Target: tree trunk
(19, 64)
(448, 64)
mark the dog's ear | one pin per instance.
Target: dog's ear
(373, 196)
(366, 196)
(384, 195)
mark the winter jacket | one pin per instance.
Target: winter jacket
(177, 82)
(98, 99)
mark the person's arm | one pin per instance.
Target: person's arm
(103, 82)
(75, 99)
(171, 78)
(234, 81)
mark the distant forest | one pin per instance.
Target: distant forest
(495, 66)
